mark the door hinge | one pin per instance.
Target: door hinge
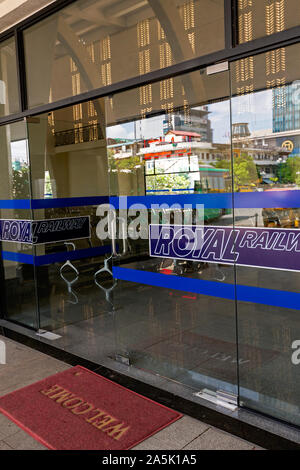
(122, 359)
(217, 68)
(220, 398)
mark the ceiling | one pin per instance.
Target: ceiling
(14, 11)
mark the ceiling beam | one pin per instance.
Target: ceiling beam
(181, 48)
(124, 7)
(96, 17)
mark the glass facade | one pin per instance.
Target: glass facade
(87, 45)
(9, 93)
(19, 276)
(259, 18)
(162, 219)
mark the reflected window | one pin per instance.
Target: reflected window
(68, 152)
(9, 95)
(179, 146)
(14, 170)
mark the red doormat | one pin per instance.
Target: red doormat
(79, 410)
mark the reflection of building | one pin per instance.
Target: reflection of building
(178, 144)
(124, 148)
(240, 130)
(190, 120)
(286, 110)
(286, 117)
(262, 146)
(184, 153)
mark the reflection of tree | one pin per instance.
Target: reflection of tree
(244, 168)
(127, 163)
(245, 171)
(20, 183)
(168, 182)
(289, 171)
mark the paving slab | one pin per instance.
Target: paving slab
(178, 434)
(4, 446)
(214, 439)
(7, 427)
(23, 441)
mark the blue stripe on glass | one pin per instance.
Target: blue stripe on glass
(195, 286)
(272, 297)
(257, 295)
(72, 255)
(211, 201)
(19, 257)
(267, 199)
(168, 190)
(55, 257)
(69, 202)
(15, 204)
(255, 200)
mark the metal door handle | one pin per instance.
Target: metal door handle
(124, 239)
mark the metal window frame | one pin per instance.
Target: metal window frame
(232, 52)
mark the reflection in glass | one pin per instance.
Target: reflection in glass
(14, 174)
(88, 45)
(73, 296)
(266, 159)
(258, 18)
(178, 148)
(19, 290)
(9, 93)
(68, 158)
(19, 277)
(108, 290)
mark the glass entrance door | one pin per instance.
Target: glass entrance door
(266, 155)
(174, 315)
(18, 281)
(69, 175)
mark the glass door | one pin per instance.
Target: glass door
(174, 299)
(266, 155)
(69, 175)
(18, 283)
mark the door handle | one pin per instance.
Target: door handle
(122, 221)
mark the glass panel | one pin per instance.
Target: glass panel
(19, 280)
(69, 174)
(93, 44)
(166, 322)
(266, 146)
(182, 142)
(258, 18)
(68, 152)
(19, 285)
(9, 94)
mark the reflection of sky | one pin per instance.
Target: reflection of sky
(144, 129)
(254, 109)
(121, 131)
(19, 151)
(219, 116)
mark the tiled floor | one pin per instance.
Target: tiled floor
(25, 366)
